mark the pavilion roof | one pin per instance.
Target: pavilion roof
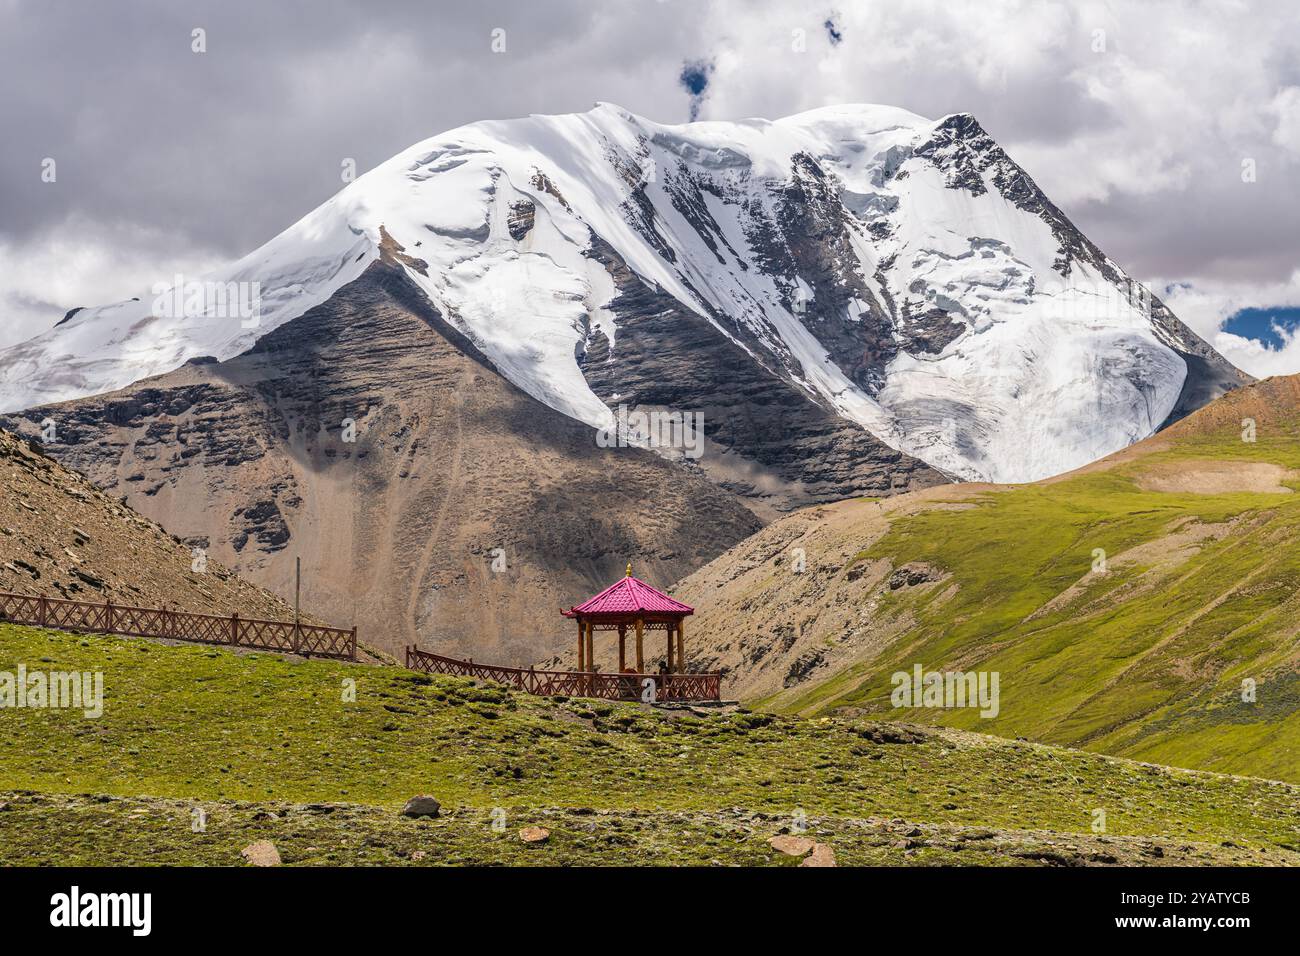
(629, 595)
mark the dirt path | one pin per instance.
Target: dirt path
(440, 519)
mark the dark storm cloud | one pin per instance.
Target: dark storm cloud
(231, 145)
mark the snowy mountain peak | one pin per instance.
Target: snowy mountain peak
(902, 272)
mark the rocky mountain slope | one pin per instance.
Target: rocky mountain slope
(60, 536)
(1143, 606)
(856, 299)
(261, 749)
(430, 500)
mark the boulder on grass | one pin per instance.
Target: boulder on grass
(791, 845)
(421, 806)
(261, 853)
(821, 855)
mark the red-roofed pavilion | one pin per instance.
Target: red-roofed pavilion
(631, 603)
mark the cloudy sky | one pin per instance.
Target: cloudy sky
(1169, 132)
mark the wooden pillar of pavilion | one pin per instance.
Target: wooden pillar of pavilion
(622, 648)
(591, 646)
(582, 645)
(681, 646)
(669, 632)
(640, 654)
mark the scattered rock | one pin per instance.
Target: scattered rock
(791, 845)
(893, 734)
(912, 574)
(534, 834)
(821, 855)
(261, 853)
(422, 806)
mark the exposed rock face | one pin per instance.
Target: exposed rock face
(521, 218)
(767, 440)
(430, 500)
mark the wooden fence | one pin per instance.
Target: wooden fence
(668, 687)
(310, 640)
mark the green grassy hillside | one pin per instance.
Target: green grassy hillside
(269, 748)
(1146, 657)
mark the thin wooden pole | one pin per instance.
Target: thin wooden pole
(622, 648)
(591, 646)
(669, 632)
(681, 645)
(297, 605)
(582, 645)
(640, 656)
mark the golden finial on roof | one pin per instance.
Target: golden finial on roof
(629, 569)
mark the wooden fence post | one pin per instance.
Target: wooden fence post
(352, 643)
(234, 628)
(43, 612)
(108, 616)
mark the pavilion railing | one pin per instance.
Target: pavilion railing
(667, 687)
(310, 640)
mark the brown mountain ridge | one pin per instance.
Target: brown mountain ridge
(430, 500)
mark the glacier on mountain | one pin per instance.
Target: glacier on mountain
(901, 271)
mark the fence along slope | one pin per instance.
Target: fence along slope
(668, 687)
(254, 633)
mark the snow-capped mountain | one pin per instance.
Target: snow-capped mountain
(902, 273)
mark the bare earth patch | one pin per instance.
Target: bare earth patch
(1217, 478)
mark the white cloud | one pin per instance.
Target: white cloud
(1258, 359)
(1286, 105)
(80, 264)
(1206, 307)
